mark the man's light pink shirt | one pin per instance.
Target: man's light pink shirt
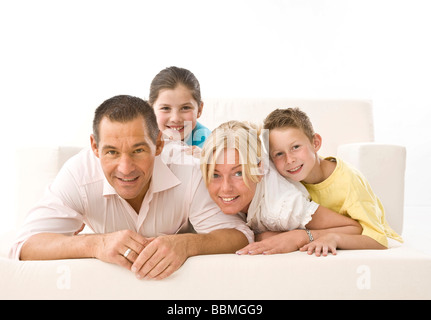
(176, 200)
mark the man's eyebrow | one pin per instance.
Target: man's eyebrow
(136, 145)
(141, 144)
(106, 147)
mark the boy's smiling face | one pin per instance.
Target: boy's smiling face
(292, 153)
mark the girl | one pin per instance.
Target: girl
(176, 99)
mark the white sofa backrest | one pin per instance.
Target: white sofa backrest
(337, 121)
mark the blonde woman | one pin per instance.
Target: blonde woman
(240, 179)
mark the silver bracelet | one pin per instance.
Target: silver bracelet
(310, 236)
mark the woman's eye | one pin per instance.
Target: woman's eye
(238, 174)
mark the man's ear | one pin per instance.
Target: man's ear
(94, 145)
(317, 142)
(159, 143)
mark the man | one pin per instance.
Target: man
(137, 205)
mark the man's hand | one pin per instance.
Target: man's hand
(113, 246)
(162, 257)
(166, 254)
(153, 258)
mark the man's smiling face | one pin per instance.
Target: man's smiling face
(127, 155)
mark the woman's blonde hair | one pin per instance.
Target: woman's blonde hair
(241, 136)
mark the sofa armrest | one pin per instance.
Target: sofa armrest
(35, 169)
(384, 167)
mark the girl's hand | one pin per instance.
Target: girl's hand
(322, 245)
(195, 151)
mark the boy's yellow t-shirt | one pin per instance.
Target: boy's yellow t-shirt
(348, 192)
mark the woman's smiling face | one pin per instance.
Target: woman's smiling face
(227, 187)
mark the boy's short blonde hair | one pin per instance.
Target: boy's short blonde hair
(289, 118)
(241, 136)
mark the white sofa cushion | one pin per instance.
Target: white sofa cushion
(397, 273)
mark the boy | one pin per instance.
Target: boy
(293, 147)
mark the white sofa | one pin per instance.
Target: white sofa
(347, 129)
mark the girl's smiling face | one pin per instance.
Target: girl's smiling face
(227, 187)
(177, 112)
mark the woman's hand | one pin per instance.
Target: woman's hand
(283, 242)
(265, 235)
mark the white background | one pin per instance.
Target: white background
(60, 59)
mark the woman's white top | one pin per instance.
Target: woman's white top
(279, 204)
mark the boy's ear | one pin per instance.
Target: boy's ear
(317, 142)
